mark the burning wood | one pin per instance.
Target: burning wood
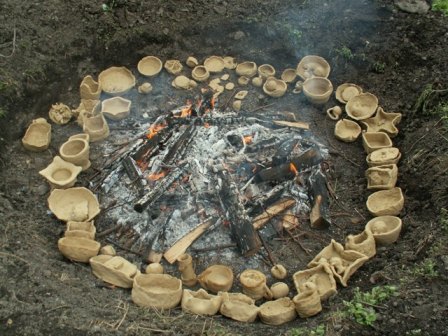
(271, 212)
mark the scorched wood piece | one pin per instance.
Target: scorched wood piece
(272, 211)
(134, 174)
(320, 200)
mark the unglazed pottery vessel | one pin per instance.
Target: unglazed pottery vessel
(254, 284)
(78, 249)
(185, 264)
(383, 156)
(154, 268)
(61, 174)
(76, 151)
(114, 270)
(229, 62)
(321, 276)
(279, 290)
(257, 81)
(145, 88)
(214, 64)
(247, 69)
(274, 87)
(60, 114)
(161, 291)
(149, 66)
(334, 112)
(307, 302)
(38, 136)
(108, 250)
(363, 243)
(266, 70)
(383, 122)
(382, 177)
(80, 229)
(97, 127)
(313, 66)
(347, 130)
(279, 271)
(298, 87)
(241, 94)
(191, 62)
(386, 202)
(116, 81)
(243, 80)
(375, 140)
(317, 90)
(86, 108)
(288, 75)
(200, 73)
(238, 307)
(73, 204)
(200, 302)
(385, 229)
(182, 82)
(116, 108)
(229, 86)
(89, 88)
(236, 105)
(347, 91)
(361, 106)
(174, 67)
(216, 278)
(277, 312)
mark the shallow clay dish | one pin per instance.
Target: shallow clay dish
(174, 67)
(73, 204)
(274, 87)
(313, 66)
(149, 66)
(241, 94)
(60, 173)
(229, 62)
(214, 64)
(383, 122)
(116, 80)
(181, 82)
(238, 306)
(277, 312)
(347, 130)
(385, 229)
(383, 156)
(375, 140)
(266, 70)
(317, 90)
(116, 108)
(362, 106)
(288, 75)
(78, 249)
(200, 302)
(216, 278)
(347, 91)
(38, 136)
(321, 276)
(161, 291)
(382, 177)
(386, 202)
(247, 69)
(80, 230)
(114, 270)
(200, 73)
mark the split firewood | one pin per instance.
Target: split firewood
(296, 124)
(320, 212)
(290, 220)
(272, 211)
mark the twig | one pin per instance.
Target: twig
(108, 231)
(124, 248)
(228, 100)
(373, 305)
(261, 107)
(268, 250)
(298, 242)
(56, 308)
(13, 45)
(126, 309)
(213, 248)
(14, 256)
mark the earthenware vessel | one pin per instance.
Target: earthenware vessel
(382, 177)
(229, 86)
(313, 66)
(225, 77)
(86, 108)
(279, 271)
(173, 67)
(145, 88)
(78, 249)
(161, 291)
(60, 113)
(363, 243)
(277, 312)
(149, 66)
(347, 91)
(247, 69)
(97, 127)
(89, 88)
(181, 82)
(200, 302)
(386, 202)
(214, 64)
(243, 80)
(266, 70)
(73, 204)
(375, 140)
(76, 151)
(238, 306)
(274, 87)
(334, 112)
(317, 90)
(216, 278)
(116, 108)
(321, 275)
(114, 270)
(383, 122)
(191, 62)
(200, 73)
(108, 250)
(116, 81)
(254, 284)
(288, 75)
(279, 290)
(61, 174)
(361, 106)
(307, 302)
(229, 62)
(236, 105)
(347, 130)
(385, 229)
(298, 87)
(241, 94)
(257, 81)
(383, 156)
(80, 229)
(185, 264)
(37, 137)
(154, 268)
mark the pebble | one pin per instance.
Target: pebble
(239, 35)
(42, 189)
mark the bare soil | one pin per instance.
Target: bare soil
(47, 47)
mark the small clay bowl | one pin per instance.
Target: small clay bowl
(347, 91)
(317, 90)
(383, 156)
(313, 66)
(386, 202)
(375, 140)
(149, 66)
(347, 130)
(288, 75)
(362, 106)
(200, 73)
(247, 69)
(274, 87)
(116, 81)
(266, 70)
(385, 229)
(116, 108)
(214, 64)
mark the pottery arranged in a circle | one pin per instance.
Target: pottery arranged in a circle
(200, 73)
(385, 229)
(243, 80)
(288, 75)
(154, 268)
(161, 291)
(38, 136)
(383, 156)
(375, 140)
(86, 108)
(307, 301)
(247, 69)
(76, 151)
(279, 271)
(241, 94)
(254, 284)
(145, 88)
(60, 114)
(361, 106)
(347, 91)
(347, 130)
(173, 67)
(238, 306)
(214, 64)
(229, 62)
(317, 90)
(279, 290)
(200, 302)
(216, 278)
(383, 122)
(89, 88)
(114, 270)
(96, 127)
(191, 61)
(382, 177)
(80, 230)
(274, 87)
(386, 202)
(363, 243)
(183, 82)
(277, 312)
(74, 204)
(334, 112)
(116, 108)
(116, 81)
(313, 66)
(60, 173)
(149, 66)
(266, 70)
(108, 250)
(257, 81)
(188, 275)
(321, 276)
(78, 249)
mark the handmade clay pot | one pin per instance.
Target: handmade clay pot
(257, 81)
(181, 82)
(334, 112)
(116, 81)
(185, 264)
(191, 62)
(229, 62)
(317, 90)
(307, 302)
(200, 302)
(363, 243)
(145, 88)
(321, 276)
(386, 202)
(76, 151)
(114, 270)
(241, 94)
(38, 136)
(347, 91)
(382, 177)
(274, 87)
(375, 140)
(383, 156)
(73, 204)
(277, 312)
(279, 290)
(266, 70)
(154, 268)
(383, 122)
(78, 249)
(97, 127)
(86, 108)
(229, 86)
(200, 73)
(161, 291)
(116, 108)
(60, 114)
(214, 64)
(254, 284)
(236, 105)
(108, 250)
(247, 69)
(89, 88)
(298, 87)
(174, 67)
(347, 130)
(243, 80)
(361, 106)
(216, 278)
(385, 229)
(313, 66)
(278, 271)
(225, 77)
(238, 307)
(288, 75)
(149, 66)
(80, 229)
(342, 263)
(61, 174)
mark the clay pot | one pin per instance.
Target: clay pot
(73, 204)
(317, 90)
(298, 87)
(200, 73)
(76, 151)
(89, 88)
(185, 264)
(238, 307)
(274, 87)
(288, 75)
(229, 62)
(38, 136)
(241, 94)
(200, 302)
(382, 177)
(145, 88)
(385, 229)
(347, 130)
(60, 114)
(347, 91)
(216, 278)
(225, 77)
(266, 70)
(313, 66)
(80, 230)
(247, 69)
(116, 108)
(173, 67)
(254, 284)
(257, 81)
(362, 106)
(375, 140)
(61, 174)
(149, 66)
(383, 156)
(277, 312)
(108, 250)
(386, 202)
(279, 271)
(114, 270)
(279, 290)
(78, 249)
(321, 275)
(161, 291)
(214, 64)
(383, 122)
(182, 82)
(307, 302)
(363, 243)
(243, 80)
(86, 108)
(229, 86)
(334, 112)
(97, 127)
(154, 268)
(116, 81)
(236, 105)
(191, 62)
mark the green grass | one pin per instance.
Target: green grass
(345, 52)
(379, 67)
(426, 269)
(440, 6)
(318, 331)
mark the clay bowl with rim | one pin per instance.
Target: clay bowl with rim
(375, 140)
(181, 82)
(89, 88)
(238, 307)
(288, 75)
(78, 249)
(80, 229)
(347, 91)
(277, 312)
(216, 278)
(386, 202)
(73, 204)
(247, 69)
(385, 229)
(200, 73)
(116, 81)
(347, 130)
(313, 66)
(279, 290)
(116, 108)
(200, 302)
(307, 301)
(363, 243)
(60, 173)
(362, 106)
(114, 270)
(321, 275)
(96, 127)
(191, 61)
(229, 62)
(266, 70)
(37, 137)
(149, 66)
(317, 90)
(173, 67)
(214, 64)
(161, 291)
(382, 177)
(383, 156)
(274, 87)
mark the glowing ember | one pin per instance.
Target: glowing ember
(293, 169)
(154, 129)
(206, 125)
(157, 176)
(186, 112)
(248, 139)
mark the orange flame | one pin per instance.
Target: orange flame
(206, 125)
(154, 129)
(156, 176)
(186, 112)
(293, 169)
(248, 139)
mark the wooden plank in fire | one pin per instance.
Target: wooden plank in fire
(259, 221)
(320, 200)
(295, 124)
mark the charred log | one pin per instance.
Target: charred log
(320, 200)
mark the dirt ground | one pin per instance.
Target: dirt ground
(47, 47)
